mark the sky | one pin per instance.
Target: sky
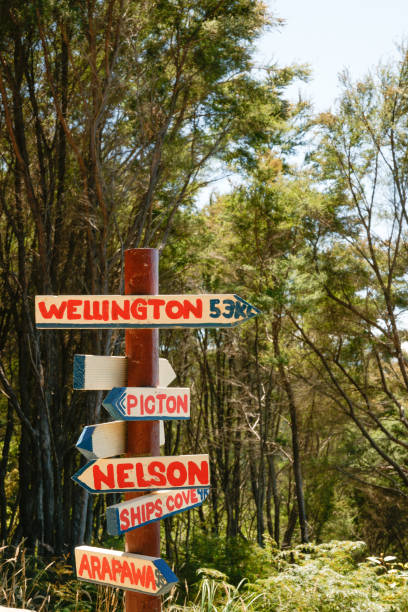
(330, 36)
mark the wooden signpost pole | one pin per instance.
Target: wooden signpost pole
(142, 351)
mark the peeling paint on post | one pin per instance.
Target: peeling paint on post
(142, 351)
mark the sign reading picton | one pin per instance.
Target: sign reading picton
(148, 403)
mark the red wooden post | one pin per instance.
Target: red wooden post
(142, 351)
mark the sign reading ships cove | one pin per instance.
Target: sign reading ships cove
(133, 513)
(147, 403)
(144, 473)
(100, 311)
(140, 573)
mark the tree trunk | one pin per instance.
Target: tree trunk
(295, 435)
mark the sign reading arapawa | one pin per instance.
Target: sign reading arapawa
(144, 473)
(139, 511)
(125, 311)
(140, 573)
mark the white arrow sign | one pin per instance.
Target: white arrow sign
(106, 440)
(139, 511)
(139, 311)
(101, 373)
(128, 571)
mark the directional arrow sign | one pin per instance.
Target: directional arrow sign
(106, 440)
(123, 311)
(148, 403)
(140, 511)
(144, 474)
(99, 373)
(127, 571)
(103, 440)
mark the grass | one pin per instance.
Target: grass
(29, 583)
(215, 594)
(329, 577)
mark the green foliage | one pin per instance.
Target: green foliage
(235, 557)
(333, 577)
(216, 594)
(330, 577)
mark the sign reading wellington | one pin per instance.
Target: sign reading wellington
(139, 511)
(147, 403)
(144, 473)
(123, 311)
(140, 573)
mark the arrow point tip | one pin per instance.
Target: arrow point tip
(85, 439)
(112, 397)
(255, 312)
(251, 311)
(164, 569)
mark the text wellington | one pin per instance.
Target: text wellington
(100, 311)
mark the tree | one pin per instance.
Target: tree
(349, 300)
(112, 111)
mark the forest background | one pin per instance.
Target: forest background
(114, 114)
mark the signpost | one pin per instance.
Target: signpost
(140, 400)
(139, 573)
(134, 513)
(141, 403)
(101, 373)
(141, 311)
(144, 473)
(142, 349)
